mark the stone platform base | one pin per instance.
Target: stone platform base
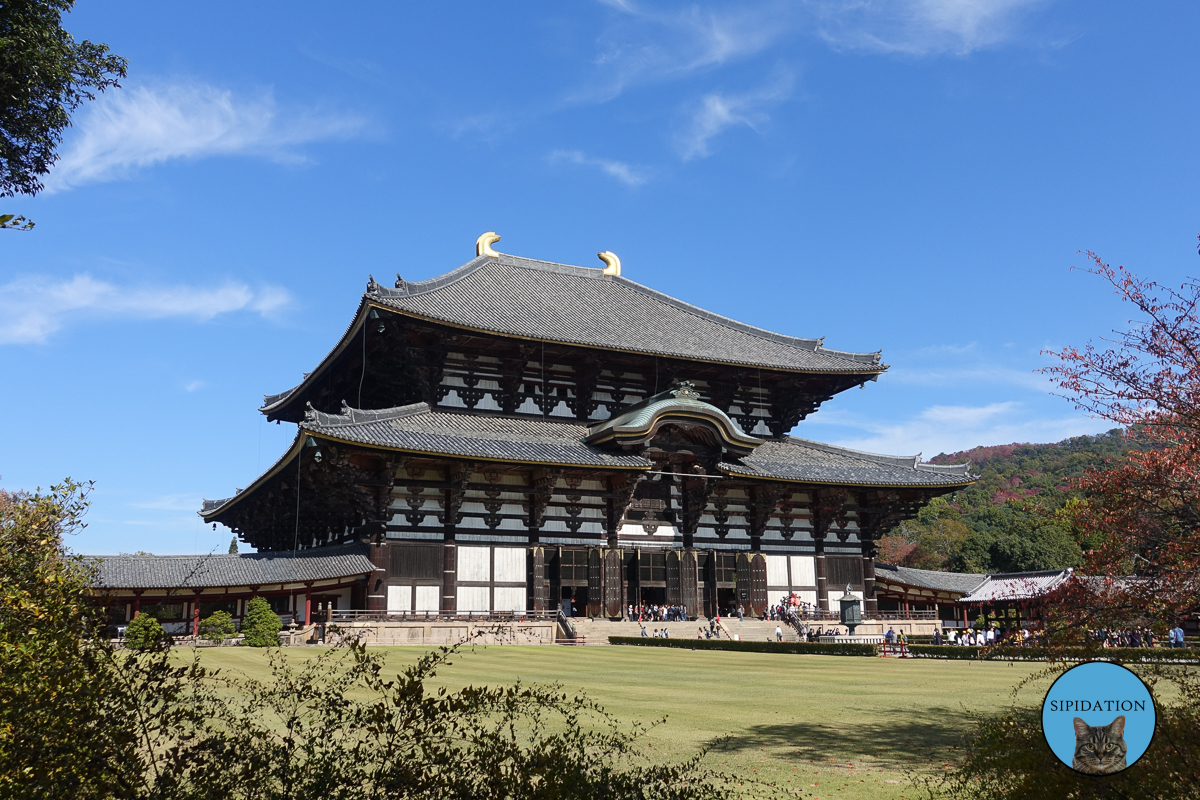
(444, 632)
(856, 639)
(876, 627)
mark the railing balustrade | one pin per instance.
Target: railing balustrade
(368, 615)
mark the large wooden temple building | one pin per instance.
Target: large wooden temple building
(516, 435)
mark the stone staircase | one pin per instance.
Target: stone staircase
(597, 631)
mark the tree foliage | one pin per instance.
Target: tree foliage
(62, 733)
(1142, 514)
(44, 76)
(79, 720)
(144, 632)
(261, 625)
(217, 626)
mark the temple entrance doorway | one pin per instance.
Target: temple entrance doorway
(726, 601)
(653, 595)
(575, 601)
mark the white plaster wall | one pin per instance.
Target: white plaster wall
(474, 564)
(429, 598)
(509, 598)
(808, 596)
(804, 571)
(777, 571)
(399, 597)
(474, 598)
(510, 566)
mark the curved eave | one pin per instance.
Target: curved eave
(284, 399)
(284, 461)
(636, 432)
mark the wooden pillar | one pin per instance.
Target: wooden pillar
(614, 596)
(196, 614)
(137, 604)
(539, 593)
(870, 603)
(377, 551)
(308, 604)
(449, 575)
(822, 575)
(965, 623)
(688, 583)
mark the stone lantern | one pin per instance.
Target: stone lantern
(851, 610)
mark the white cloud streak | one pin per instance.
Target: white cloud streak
(132, 128)
(717, 112)
(34, 308)
(629, 175)
(919, 27)
(949, 429)
(649, 46)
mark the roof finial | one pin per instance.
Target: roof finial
(483, 245)
(614, 263)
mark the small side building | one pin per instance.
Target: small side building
(182, 590)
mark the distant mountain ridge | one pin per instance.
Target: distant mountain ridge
(1010, 519)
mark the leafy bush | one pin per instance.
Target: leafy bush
(1120, 654)
(144, 632)
(217, 626)
(1007, 756)
(804, 648)
(261, 625)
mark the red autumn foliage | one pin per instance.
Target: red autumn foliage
(1142, 514)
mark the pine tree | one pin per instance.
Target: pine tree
(143, 632)
(233, 546)
(261, 625)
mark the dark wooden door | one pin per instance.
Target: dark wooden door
(539, 588)
(742, 585)
(673, 586)
(688, 582)
(595, 598)
(758, 584)
(613, 596)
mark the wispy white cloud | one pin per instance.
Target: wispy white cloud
(194, 386)
(648, 45)
(920, 27)
(971, 375)
(625, 173)
(171, 502)
(33, 308)
(948, 429)
(718, 111)
(137, 127)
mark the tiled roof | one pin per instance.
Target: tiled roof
(1017, 586)
(954, 582)
(578, 305)
(250, 569)
(417, 428)
(805, 460)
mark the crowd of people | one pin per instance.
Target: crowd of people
(656, 613)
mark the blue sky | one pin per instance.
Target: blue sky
(916, 177)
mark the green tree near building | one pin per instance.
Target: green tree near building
(233, 546)
(261, 625)
(144, 632)
(217, 626)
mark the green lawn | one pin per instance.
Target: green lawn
(823, 726)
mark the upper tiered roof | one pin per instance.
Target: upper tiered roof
(527, 299)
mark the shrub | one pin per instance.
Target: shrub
(261, 625)
(795, 648)
(144, 632)
(217, 626)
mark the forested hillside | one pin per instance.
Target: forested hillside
(1015, 518)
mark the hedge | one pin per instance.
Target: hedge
(797, 648)
(1126, 654)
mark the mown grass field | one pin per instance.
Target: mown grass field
(819, 726)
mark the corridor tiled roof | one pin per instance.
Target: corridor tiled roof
(953, 582)
(144, 571)
(1017, 586)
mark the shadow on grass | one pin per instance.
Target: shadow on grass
(891, 739)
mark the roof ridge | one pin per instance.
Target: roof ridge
(358, 416)
(879, 458)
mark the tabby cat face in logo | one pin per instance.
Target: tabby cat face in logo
(1099, 749)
